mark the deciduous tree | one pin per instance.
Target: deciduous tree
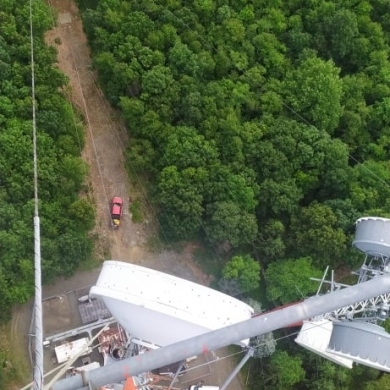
(314, 90)
(245, 270)
(289, 280)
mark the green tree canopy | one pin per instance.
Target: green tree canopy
(61, 173)
(316, 233)
(286, 371)
(229, 224)
(262, 126)
(289, 280)
(314, 90)
(245, 270)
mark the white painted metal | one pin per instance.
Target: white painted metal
(309, 308)
(70, 349)
(358, 307)
(315, 336)
(372, 236)
(363, 342)
(164, 309)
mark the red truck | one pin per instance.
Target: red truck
(116, 211)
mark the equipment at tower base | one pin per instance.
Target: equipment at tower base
(211, 341)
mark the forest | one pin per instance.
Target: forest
(263, 125)
(65, 209)
(263, 129)
(66, 218)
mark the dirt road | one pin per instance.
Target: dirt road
(106, 139)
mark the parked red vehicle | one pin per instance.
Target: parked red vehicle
(116, 211)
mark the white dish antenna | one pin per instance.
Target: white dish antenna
(315, 336)
(363, 342)
(163, 309)
(372, 236)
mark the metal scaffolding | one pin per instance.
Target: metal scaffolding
(214, 340)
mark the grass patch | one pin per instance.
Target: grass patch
(155, 244)
(14, 364)
(177, 246)
(135, 208)
(90, 264)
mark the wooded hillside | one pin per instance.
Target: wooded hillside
(263, 127)
(65, 218)
(263, 124)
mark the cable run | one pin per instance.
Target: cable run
(214, 47)
(38, 368)
(349, 155)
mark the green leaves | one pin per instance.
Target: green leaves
(262, 126)
(316, 233)
(183, 59)
(82, 211)
(229, 224)
(60, 173)
(365, 191)
(314, 90)
(289, 280)
(186, 148)
(157, 80)
(287, 370)
(245, 270)
(181, 198)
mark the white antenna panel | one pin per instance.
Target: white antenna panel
(315, 336)
(363, 342)
(372, 236)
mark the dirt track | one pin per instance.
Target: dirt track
(106, 139)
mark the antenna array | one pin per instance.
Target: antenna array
(353, 333)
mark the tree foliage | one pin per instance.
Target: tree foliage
(264, 345)
(314, 89)
(243, 269)
(315, 231)
(289, 280)
(286, 371)
(250, 99)
(65, 219)
(262, 126)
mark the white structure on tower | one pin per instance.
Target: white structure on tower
(351, 333)
(164, 309)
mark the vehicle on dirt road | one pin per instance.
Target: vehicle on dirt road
(116, 211)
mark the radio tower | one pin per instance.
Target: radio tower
(38, 368)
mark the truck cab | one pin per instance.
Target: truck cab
(116, 211)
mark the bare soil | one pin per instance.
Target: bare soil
(105, 142)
